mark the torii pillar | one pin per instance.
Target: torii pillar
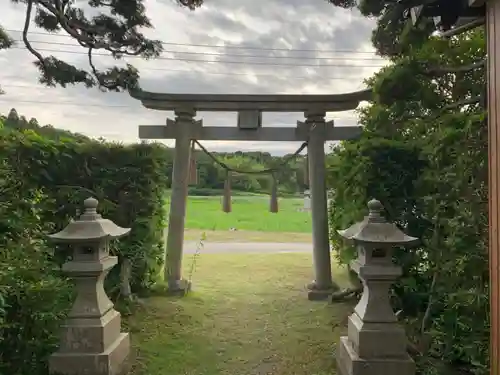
(184, 127)
(317, 128)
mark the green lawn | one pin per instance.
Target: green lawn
(250, 213)
(248, 314)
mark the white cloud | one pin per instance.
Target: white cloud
(318, 32)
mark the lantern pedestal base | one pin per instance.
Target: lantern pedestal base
(366, 337)
(349, 363)
(179, 287)
(316, 293)
(113, 361)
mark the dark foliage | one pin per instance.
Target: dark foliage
(428, 166)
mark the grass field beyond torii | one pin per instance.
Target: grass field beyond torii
(250, 217)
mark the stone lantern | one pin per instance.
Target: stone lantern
(376, 344)
(91, 340)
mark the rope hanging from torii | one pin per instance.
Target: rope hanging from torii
(226, 201)
(306, 170)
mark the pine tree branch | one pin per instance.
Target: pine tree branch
(191, 4)
(27, 20)
(117, 34)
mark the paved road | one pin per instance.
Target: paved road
(248, 247)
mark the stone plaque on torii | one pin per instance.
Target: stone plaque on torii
(315, 130)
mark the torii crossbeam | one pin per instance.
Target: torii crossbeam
(315, 130)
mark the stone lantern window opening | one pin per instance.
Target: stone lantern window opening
(379, 253)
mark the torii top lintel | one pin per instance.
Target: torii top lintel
(270, 103)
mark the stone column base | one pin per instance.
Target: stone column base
(179, 288)
(315, 293)
(113, 361)
(349, 363)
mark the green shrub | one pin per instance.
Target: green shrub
(35, 300)
(204, 192)
(33, 296)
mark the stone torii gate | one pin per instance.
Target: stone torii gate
(315, 130)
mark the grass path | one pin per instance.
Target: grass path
(245, 236)
(248, 315)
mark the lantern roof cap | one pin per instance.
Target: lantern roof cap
(375, 229)
(90, 226)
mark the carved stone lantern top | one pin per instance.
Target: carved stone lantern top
(374, 229)
(90, 226)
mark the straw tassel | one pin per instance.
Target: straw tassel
(306, 170)
(193, 168)
(273, 204)
(226, 199)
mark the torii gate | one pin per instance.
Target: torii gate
(315, 130)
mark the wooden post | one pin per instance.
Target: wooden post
(226, 198)
(273, 201)
(493, 52)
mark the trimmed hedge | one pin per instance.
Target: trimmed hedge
(43, 182)
(128, 180)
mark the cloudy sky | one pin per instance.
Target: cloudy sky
(227, 46)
